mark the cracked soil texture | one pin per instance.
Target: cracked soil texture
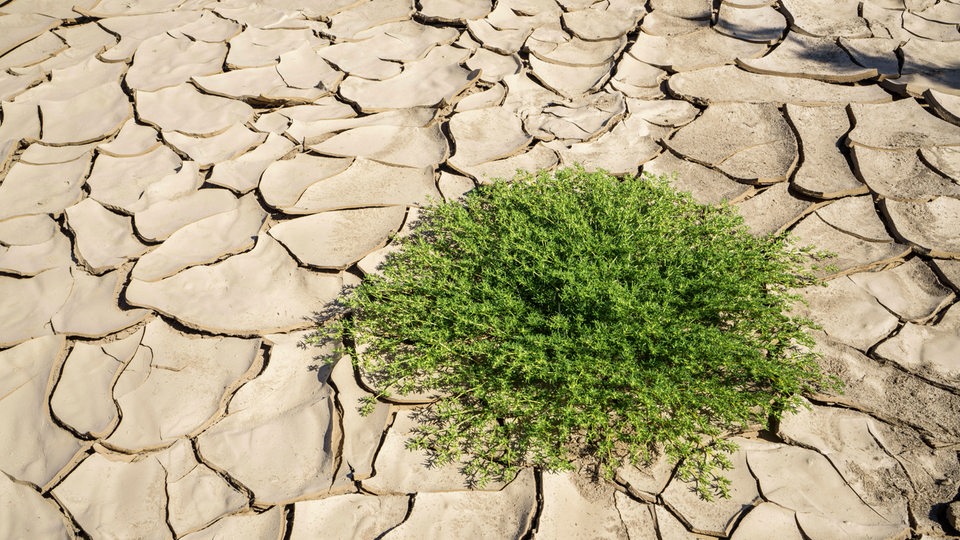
(186, 184)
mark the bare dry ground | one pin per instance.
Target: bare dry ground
(184, 185)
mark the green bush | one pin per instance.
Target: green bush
(575, 316)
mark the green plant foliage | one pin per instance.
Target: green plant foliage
(575, 316)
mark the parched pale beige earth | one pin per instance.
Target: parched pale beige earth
(185, 185)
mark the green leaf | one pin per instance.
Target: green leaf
(571, 316)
